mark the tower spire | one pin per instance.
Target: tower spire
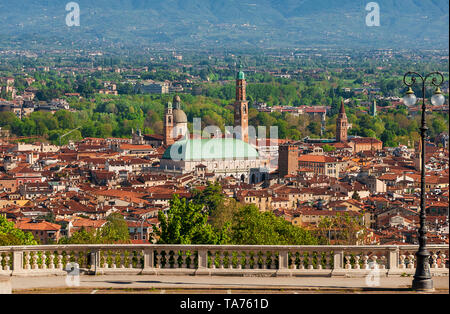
(241, 106)
(341, 124)
(342, 110)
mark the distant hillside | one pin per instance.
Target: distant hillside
(227, 23)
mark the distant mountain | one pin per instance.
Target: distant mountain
(226, 23)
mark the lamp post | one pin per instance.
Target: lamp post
(422, 278)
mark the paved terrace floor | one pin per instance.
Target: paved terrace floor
(217, 284)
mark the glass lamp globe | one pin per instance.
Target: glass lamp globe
(410, 99)
(438, 99)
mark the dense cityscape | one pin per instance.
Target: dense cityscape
(222, 145)
(82, 146)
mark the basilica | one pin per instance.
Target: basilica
(222, 157)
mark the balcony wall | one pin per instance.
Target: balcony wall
(346, 261)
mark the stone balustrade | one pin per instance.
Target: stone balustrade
(349, 261)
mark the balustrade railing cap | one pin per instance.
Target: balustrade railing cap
(216, 247)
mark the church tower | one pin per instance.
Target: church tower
(241, 107)
(168, 125)
(341, 125)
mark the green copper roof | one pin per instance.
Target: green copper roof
(241, 75)
(210, 149)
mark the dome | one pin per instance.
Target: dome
(179, 116)
(210, 149)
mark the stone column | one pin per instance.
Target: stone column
(202, 268)
(393, 255)
(283, 262)
(18, 263)
(338, 262)
(149, 260)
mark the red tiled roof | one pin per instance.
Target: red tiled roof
(316, 158)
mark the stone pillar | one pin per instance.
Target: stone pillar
(202, 268)
(95, 261)
(18, 263)
(393, 255)
(283, 264)
(149, 262)
(338, 262)
(202, 259)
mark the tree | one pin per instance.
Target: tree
(328, 148)
(224, 213)
(82, 237)
(9, 235)
(116, 229)
(251, 227)
(348, 230)
(186, 223)
(211, 197)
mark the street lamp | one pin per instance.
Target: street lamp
(422, 278)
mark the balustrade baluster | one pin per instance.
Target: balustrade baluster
(356, 262)
(138, 260)
(239, 260)
(44, 260)
(213, 259)
(113, 259)
(348, 264)
(158, 259)
(301, 265)
(105, 255)
(292, 260)
(122, 258)
(319, 260)
(7, 262)
(250, 260)
(76, 257)
(374, 259)
(230, 260)
(176, 258)
(27, 258)
(411, 259)
(365, 259)
(51, 258)
(35, 262)
(60, 261)
(401, 263)
(383, 262)
(434, 257)
(1, 259)
(130, 259)
(183, 259)
(221, 259)
(269, 260)
(442, 257)
(310, 257)
(328, 257)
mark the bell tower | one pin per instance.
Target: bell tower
(341, 125)
(168, 125)
(241, 107)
